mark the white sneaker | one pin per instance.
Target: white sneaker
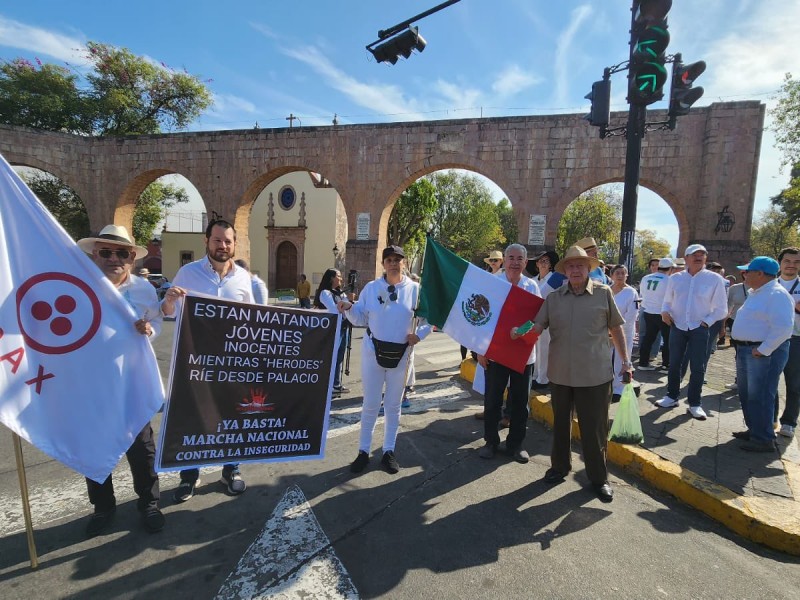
(732, 386)
(787, 431)
(646, 368)
(667, 402)
(697, 412)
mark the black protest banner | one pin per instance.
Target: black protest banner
(248, 383)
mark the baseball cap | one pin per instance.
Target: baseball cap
(390, 250)
(695, 248)
(765, 264)
(665, 263)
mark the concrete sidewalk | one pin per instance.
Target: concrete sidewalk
(700, 462)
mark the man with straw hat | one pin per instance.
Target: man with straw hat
(114, 252)
(580, 315)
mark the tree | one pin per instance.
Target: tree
(508, 221)
(788, 201)
(62, 202)
(466, 218)
(772, 231)
(786, 121)
(124, 94)
(412, 217)
(596, 213)
(647, 245)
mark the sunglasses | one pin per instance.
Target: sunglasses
(392, 293)
(494, 260)
(106, 253)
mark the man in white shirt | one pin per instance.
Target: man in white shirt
(761, 332)
(114, 252)
(652, 289)
(498, 376)
(695, 298)
(789, 259)
(215, 274)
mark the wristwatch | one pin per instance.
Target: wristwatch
(627, 363)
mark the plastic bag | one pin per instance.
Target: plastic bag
(627, 428)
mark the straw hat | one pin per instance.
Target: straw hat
(585, 243)
(493, 255)
(577, 253)
(112, 234)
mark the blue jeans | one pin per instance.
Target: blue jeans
(656, 345)
(791, 374)
(344, 335)
(713, 337)
(693, 344)
(757, 377)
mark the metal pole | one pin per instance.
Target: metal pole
(26, 506)
(384, 33)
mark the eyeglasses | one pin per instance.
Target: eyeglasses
(106, 253)
(392, 293)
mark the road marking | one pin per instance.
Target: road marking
(291, 558)
(68, 497)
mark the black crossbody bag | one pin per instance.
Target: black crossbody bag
(388, 354)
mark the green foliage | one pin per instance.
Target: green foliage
(412, 217)
(152, 206)
(646, 246)
(786, 121)
(596, 213)
(466, 220)
(62, 202)
(788, 201)
(508, 221)
(772, 231)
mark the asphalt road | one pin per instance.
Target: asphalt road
(449, 525)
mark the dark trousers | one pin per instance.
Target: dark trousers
(791, 374)
(692, 345)
(591, 404)
(141, 458)
(653, 324)
(192, 475)
(519, 386)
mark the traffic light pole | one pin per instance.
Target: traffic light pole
(630, 195)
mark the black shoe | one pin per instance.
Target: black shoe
(553, 476)
(389, 462)
(340, 389)
(487, 451)
(759, 447)
(153, 520)
(185, 491)
(741, 435)
(615, 398)
(360, 463)
(604, 492)
(521, 456)
(99, 522)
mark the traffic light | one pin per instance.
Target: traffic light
(649, 40)
(600, 97)
(399, 45)
(682, 95)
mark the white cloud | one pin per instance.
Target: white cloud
(14, 34)
(564, 47)
(513, 80)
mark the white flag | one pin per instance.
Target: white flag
(76, 379)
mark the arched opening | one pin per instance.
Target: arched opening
(462, 209)
(597, 213)
(304, 210)
(60, 200)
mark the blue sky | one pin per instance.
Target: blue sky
(267, 59)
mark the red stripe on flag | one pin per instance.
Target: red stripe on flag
(520, 306)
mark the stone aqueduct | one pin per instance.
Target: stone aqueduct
(541, 162)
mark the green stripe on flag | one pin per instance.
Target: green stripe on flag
(442, 273)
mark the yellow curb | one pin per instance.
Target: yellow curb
(773, 522)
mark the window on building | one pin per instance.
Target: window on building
(287, 197)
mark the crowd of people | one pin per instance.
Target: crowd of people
(586, 328)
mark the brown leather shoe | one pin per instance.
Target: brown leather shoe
(479, 416)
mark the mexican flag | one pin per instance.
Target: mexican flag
(475, 308)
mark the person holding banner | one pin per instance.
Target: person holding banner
(215, 274)
(114, 253)
(386, 307)
(329, 293)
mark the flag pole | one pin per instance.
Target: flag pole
(26, 507)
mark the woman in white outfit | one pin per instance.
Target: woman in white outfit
(627, 300)
(386, 307)
(328, 295)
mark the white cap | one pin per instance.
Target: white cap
(665, 263)
(695, 248)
